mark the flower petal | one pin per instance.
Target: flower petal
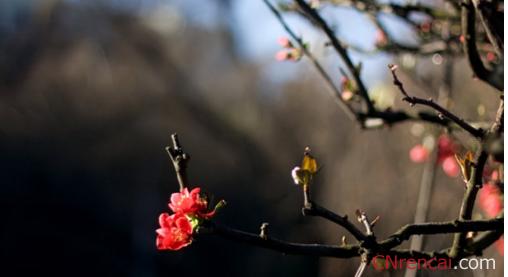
(163, 217)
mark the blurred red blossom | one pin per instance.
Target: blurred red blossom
(491, 56)
(490, 200)
(284, 42)
(500, 246)
(419, 154)
(381, 39)
(450, 166)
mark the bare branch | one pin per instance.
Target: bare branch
(412, 100)
(316, 210)
(180, 160)
(468, 31)
(336, 94)
(430, 228)
(497, 42)
(337, 45)
(285, 247)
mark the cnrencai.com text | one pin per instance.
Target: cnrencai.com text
(382, 262)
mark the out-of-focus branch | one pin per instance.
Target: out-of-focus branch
(338, 46)
(495, 40)
(336, 94)
(388, 117)
(482, 241)
(412, 100)
(469, 33)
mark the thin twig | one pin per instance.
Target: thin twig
(316, 210)
(469, 33)
(180, 160)
(362, 218)
(496, 43)
(335, 92)
(363, 264)
(337, 45)
(412, 100)
(430, 228)
(285, 247)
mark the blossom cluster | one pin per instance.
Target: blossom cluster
(189, 210)
(289, 53)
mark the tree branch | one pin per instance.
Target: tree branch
(285, 247)
(412, 100)
(316, 210)
(180, 160)
(430, 228)
(496, 41)
(469, 33)
(337, 45)
(336, 94)
(466, 208)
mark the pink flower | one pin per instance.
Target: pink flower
(347, 95)
(190, 203)
(419, 154)
(292, 54)
(284, 42)
(175, 232)
(282, 55)
(494, 176)
(490, 200)
(450, 166)
(491, 56)
(381, 39)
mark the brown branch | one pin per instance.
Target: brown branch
(482, 241)
(316, 210)
(285, 247)
(388, 117)
(466, 209)
(430, 228)
(335, 92)
(496, 41)
(412, 100)
(469, 33)
(179, 159)
(337, 45)
(317, 250)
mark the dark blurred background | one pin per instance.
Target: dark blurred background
(91, 90)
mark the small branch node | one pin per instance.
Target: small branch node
(263, 230)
